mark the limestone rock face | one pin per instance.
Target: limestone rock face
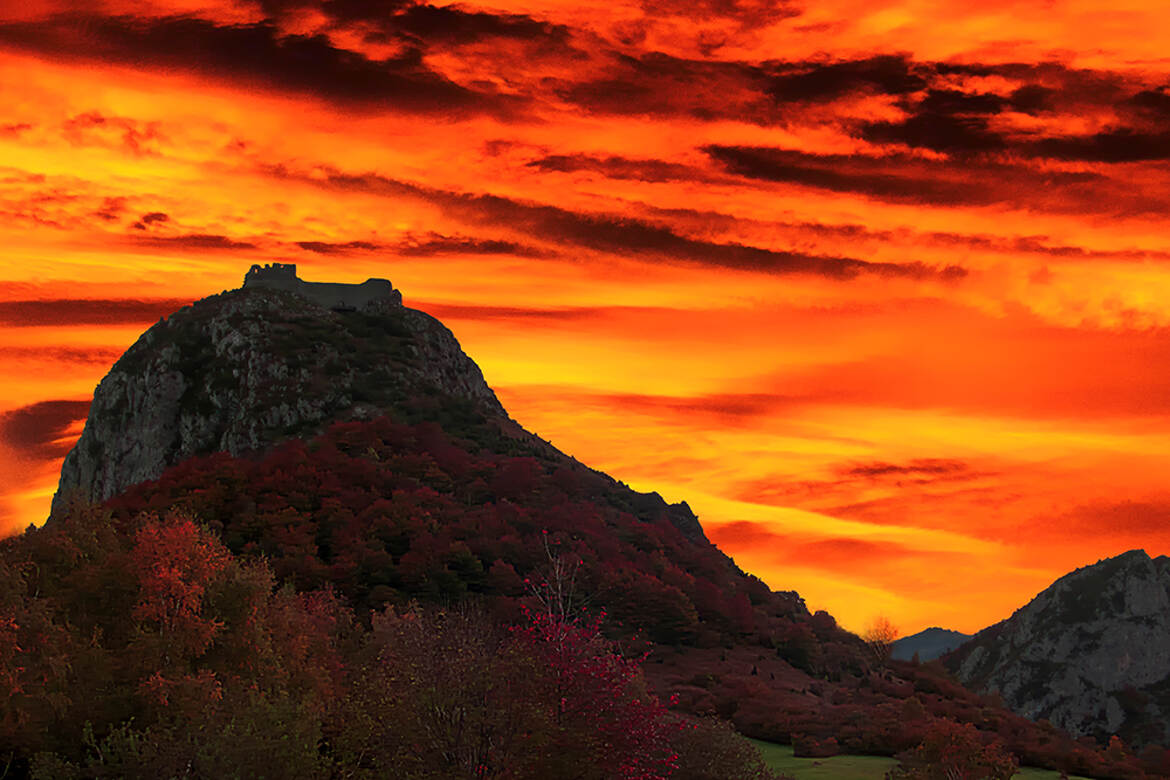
(1091, 653)
(242, 370)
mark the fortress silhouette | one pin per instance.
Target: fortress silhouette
(329, 295)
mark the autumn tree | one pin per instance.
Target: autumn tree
(879, 638)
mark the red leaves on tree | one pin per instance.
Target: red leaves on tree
(600, 692)
(175, 561)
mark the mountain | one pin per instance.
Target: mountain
(345, 441)
(928, 644)
(1088, 654)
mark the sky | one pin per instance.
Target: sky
(880, 288)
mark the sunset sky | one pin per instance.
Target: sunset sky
(880, 287)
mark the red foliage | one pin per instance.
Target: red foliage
(175, 561)
(600, 692)
(955, 751)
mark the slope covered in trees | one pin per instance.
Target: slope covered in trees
(386, 513)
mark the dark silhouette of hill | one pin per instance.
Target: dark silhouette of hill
(927, 644)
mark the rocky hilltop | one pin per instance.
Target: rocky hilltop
(244, 369)
(1089, 653)
(278, 359)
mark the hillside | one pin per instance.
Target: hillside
(1088, 653)
(356, 450)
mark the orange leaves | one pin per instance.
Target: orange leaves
(175, 561)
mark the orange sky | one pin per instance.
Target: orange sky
(879, 288)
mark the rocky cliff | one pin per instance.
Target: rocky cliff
(1089, 653)
(242, 370)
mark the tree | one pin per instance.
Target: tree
(879, 638)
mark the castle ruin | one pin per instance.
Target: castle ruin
(329, 295)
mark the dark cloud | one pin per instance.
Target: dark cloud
(208, 241)
(911, 478)
(111, 209)
(941, 132)
(339, 10)
(65, 311)
(339, 248)
(34, 431)
(1032, 99)
(254, 54)
(82, 356)
(617, 234)
(828, 81)
(799, 549)
(749, 13)
(919, 467)
(880, 178)
(1120, 145)
(1155, 102)
(726, 408)
(465, 245)
(427, 246)
(626, 236)
(452, 311)
(965, 182)
(454, 25)
(657, 84)
(945, 120)
(619, 167)
(150, 219)
(951, 101)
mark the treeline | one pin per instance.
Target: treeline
(144, 648)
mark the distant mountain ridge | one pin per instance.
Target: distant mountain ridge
(1090, 653)
(928, 644)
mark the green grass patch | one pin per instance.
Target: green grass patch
(844, 767)
(780, 757)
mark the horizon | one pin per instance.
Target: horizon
(878, 290)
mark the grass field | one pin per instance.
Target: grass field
(856, 767)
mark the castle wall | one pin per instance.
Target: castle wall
(328, 295)
(331, 295)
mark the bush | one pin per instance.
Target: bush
(805, 746)
(954, 751)
(710, 749)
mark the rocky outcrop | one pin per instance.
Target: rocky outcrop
(1088, 654)
(242, 370)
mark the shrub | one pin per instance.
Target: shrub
(806, 746)
(954, 751)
